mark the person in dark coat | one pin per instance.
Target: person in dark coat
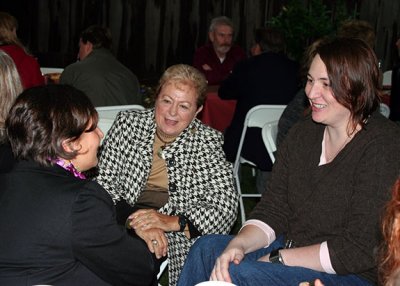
(57, 227)
(269, 77)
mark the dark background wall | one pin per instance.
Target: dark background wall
(149, 35)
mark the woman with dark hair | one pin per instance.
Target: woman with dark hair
(57, 227)
(330, 181)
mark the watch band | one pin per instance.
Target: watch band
(182, 222)
(275, 256)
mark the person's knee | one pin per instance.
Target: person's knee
(209, 245)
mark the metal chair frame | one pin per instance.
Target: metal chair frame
(257, 116)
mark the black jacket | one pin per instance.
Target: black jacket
(269, 78)
(60, 230)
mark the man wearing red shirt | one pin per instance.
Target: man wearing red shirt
(217, 58)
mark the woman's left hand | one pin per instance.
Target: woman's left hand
(145, 219)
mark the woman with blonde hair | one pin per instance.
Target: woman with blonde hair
(11, 87)
(166, 171)
(27, 65)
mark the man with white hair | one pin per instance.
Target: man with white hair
(217, 58)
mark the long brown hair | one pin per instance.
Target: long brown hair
(390, 249)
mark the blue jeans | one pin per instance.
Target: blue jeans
(204, 252)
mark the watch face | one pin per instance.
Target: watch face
(274, 256)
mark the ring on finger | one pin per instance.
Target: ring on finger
(154, 242)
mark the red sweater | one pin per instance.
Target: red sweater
(27, 66)
(219, 71)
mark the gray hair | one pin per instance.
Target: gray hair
(220, 21)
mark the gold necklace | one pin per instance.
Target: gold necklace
(163, 138)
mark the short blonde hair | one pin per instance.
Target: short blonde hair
(186, 75)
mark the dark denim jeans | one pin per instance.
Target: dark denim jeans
(204, 252)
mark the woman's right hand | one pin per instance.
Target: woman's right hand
(249, 239)
(220, 271)
(155, 239)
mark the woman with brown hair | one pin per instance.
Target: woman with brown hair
(328, 187)
(57, 227)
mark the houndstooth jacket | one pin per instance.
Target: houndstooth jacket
(201, 185)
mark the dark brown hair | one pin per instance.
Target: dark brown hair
(353, 72)
(270, 40)
(43, 117)
(358, 29)
(99, 37)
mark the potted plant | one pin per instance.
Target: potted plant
(302, 24)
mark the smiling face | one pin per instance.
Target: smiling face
(87, 144)
(325, 108)
(175, 107)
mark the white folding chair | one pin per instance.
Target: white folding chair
(384, 109)
(269, 133)
(46, 70)
(387, 78)
(163, 266)
(111, 112)
(107, 114)
(258, 116)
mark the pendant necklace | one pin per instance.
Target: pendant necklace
(330, 158)
(164, 139)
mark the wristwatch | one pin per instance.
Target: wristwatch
(182, 222)
(275, 257)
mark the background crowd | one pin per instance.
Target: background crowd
(163, 185)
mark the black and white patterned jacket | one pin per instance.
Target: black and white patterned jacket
(201, 184)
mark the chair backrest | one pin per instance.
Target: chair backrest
(107, 114)
(163, 266)
(387, 78)
(258, 116)
(111, 112)
(269, 133)
(384, 110)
